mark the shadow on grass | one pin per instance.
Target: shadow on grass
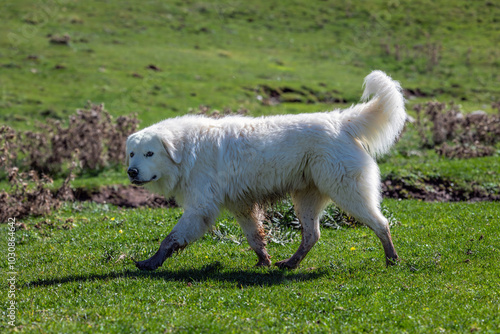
(213, 271)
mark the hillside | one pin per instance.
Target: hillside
(160, 59)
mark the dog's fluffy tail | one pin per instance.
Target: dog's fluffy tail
(378, 122)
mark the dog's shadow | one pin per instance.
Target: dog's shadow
(213, 271)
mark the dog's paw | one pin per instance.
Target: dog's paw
(149, 264)
(263, 263)
(286, 264)
(392, 261)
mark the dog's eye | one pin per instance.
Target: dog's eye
(149, 154)
(131, 154)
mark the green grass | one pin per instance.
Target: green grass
(83, 280)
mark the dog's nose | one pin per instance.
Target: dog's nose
(133, 172)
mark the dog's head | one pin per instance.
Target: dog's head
(153, 156)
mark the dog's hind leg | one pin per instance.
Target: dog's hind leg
(371, 216)
(190, 227)
(309, 205)
(251, 224)
(359, 195)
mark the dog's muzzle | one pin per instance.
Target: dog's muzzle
(133, 173)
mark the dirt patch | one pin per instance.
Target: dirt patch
(269, 95)
(414, 93)
(433, 189)
(411, 93)
(275, 95)
(124, 196)
(59, 40)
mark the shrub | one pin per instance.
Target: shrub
(100, 141)
(29, 160)
(29, 195)
(455, 135)
(283, 214)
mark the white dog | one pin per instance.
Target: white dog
(243, 163)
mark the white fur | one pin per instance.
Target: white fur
(242, 163)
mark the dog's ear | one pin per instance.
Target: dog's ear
(174, 150)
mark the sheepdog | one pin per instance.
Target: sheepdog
(244, 163)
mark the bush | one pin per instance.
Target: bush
(283, 214)
(91, 132)
(455, 135)
(29, 195)
(90, 141)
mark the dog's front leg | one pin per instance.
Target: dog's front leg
(168, 246)
(189, 228)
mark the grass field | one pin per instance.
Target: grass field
(76, 275)
(162, 59)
